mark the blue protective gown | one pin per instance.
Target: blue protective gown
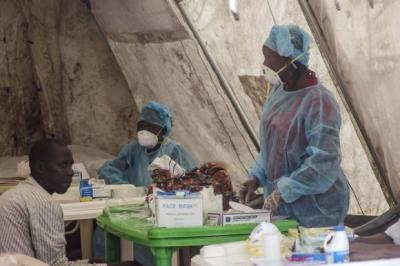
(130, 167)
(300, 155)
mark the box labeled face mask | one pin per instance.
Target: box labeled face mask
(178, 209)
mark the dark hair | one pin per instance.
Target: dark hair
(41, 150)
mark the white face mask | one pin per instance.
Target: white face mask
(147, 139)
(271, 76)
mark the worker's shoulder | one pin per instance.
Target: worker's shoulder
(129, 148)
(175, 144)
(133, 144)
(320, 92)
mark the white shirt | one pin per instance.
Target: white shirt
(31, 223)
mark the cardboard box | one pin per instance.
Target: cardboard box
(101, 192)
(238, 218)
(179, 211)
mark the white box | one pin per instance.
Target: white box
(101, 192)
(238, 218)
(179, 211)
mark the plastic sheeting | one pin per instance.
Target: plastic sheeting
(165, 63)
(363, 43)
(92, 158)
(238, 53)
(175, 72)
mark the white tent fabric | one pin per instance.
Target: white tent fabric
(363, 44)
(177, 73)
(88, 66)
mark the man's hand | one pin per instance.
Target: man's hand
(247, 189)
(273, 201)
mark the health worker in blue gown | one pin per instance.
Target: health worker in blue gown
(298, 165)
(130, 166)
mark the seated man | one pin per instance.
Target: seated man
(379, 246)
(31, 220)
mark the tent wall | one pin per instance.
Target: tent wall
(175, 71)
(19, 100)
(83, 79)
(238, 53)
(58, 77)
(172, 69)
(363, 43)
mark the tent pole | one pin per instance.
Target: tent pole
(224, 83)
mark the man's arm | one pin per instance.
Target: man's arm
(380, 238)
(47, 233)
(360, 251)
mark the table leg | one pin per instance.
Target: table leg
(163, 256)
(86, 233)
(126, 249)
(112, 247)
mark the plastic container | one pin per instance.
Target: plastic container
(336, 246)
(272, 248)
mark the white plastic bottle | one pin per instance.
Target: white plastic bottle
(336, 246)
(272, 249)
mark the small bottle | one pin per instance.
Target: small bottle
(336, 246)
(86, 190)
(272, 249)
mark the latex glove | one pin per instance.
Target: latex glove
(273, 201)
(247, 189)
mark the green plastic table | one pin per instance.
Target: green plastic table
(163, 241)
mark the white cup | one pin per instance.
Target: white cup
(272, 248)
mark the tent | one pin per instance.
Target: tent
(81, 69)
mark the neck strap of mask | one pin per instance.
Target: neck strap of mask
(290, 63)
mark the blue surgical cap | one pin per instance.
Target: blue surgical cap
(290, 41)
(157, 113)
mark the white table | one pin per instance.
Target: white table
(86, 212)
(232, 254)
(199, 261)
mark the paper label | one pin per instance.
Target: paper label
(337, 257)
